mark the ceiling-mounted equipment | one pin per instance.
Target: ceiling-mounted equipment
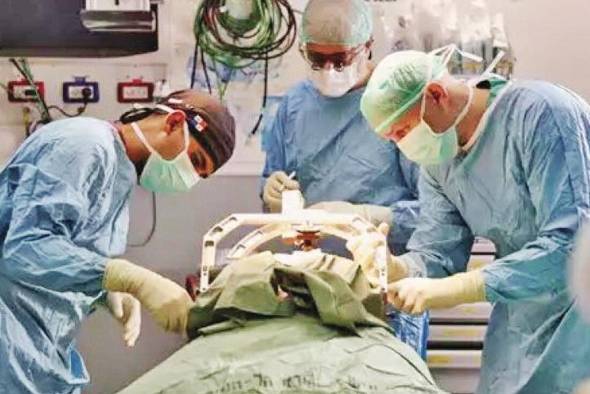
(124, 16)
(56, 28)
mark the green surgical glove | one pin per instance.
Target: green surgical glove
(416, 295)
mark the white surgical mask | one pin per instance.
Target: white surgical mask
(167, 176)
(332, 83)
(424, 146)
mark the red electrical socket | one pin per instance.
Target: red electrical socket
(136, 91)
(23, 92)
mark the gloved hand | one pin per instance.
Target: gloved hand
(166, 301)
(275, 185)
(127, 310)
(416, 295)
(364, 249)
(376, 214)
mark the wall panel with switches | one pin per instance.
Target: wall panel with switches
(80, 91)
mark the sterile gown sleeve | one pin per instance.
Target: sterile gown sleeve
(556, 166)
(405, 212)
(52, 200)
(273, 145)
(442, 242)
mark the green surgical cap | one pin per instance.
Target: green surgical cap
(396, 85)
(339, 22)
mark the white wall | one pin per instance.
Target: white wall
(549, 38)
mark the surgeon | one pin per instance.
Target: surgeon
(320, 143)
(505, 161)
(64, 217)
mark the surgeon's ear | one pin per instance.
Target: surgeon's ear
(437, 93)
(174, 121)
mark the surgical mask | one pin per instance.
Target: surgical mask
(167, 176)
(425, 147)
(333, 83)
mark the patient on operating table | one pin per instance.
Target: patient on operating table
(300, 322)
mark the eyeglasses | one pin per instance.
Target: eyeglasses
(339, 60)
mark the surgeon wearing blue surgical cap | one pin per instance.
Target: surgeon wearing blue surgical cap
(64, 199)
(509, 162)
(320, 136)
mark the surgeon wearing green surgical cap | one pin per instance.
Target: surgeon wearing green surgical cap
(508, 162)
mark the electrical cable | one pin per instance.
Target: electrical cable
(207, 80)
(39, 100)
(268, 33)
(42, 107)
(86, 94)
(31, 79)
(67, 115)
(264, 101)
(79, 111)
(194, 70)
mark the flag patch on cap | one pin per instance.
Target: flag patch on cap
(200, 122)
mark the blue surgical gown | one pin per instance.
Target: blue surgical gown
(63, 211)
(337, 157)
(524, 185)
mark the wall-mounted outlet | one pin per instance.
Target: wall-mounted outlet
(136, 91)
(80, 91)
(23, 92)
